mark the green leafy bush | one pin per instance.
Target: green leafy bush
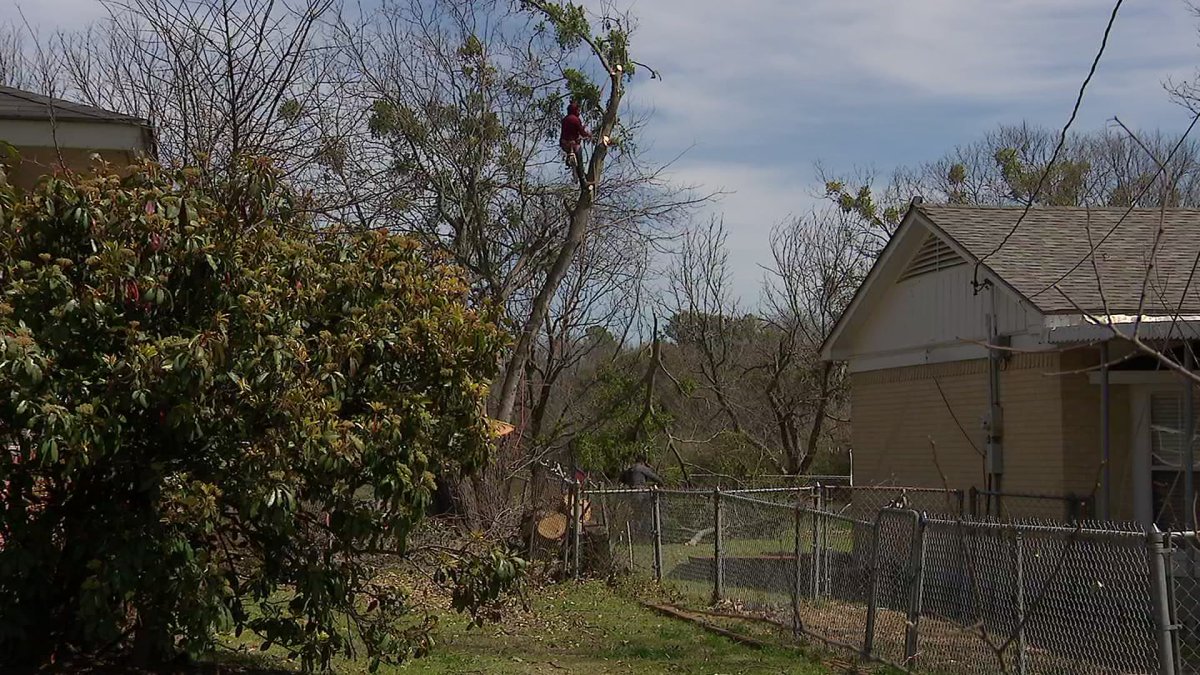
(211, 414)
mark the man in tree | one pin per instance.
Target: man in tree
(573, 133)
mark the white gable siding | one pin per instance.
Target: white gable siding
(938, 308)
(73, 134)
(918, 306)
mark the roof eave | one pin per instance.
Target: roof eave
(131, 121)
(1082, 328)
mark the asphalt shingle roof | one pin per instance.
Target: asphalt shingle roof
(1048, 260)
(25, 105)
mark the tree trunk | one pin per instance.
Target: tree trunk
(581, 216)
(814, 434)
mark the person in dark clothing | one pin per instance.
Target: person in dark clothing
(637, 476)
(573, 133)
(640, 474)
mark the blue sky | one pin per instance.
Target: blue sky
(766, 88)
(757, 91)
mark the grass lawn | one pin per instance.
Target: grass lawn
(584, 628)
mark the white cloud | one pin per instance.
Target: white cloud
(950, 48)
(756, 199)
(764, 88)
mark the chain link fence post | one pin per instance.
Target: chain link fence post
(655, 499)
(916, 591)
(566, 536)
(576, 527)
(1019, 554)
(797, 626)
(826, 580)
(1159, 551)
(718, 549)
(814, 568)
(872, 593)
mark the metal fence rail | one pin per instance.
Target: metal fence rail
(864, 502)
(1025, 506)
(871, 570)
(730, 483)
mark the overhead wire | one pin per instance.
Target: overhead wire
(1062, 141)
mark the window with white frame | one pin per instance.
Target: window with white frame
(1167, 460)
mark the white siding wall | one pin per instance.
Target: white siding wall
(75, 134)
(937, 309)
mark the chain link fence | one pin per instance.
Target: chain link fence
(688, 544)
(1019, 506)
(863, 502)
(756, 551)
(621, 536)
(1183, 570)
(906, 577)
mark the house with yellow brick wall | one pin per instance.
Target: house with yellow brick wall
(50, 134)
(993, 348)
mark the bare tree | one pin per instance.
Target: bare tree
(589, 325)
(584, 342)
(761, 372)
(466, 101)
(1108, 167)
(221, 80)
(609, 52)
(457, 95)
(819, 263)
(15, 67)
(705, 320)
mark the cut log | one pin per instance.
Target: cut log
(553, 526)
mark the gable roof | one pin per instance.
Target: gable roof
(17, 104)
(1048, 259)
(1047, 263)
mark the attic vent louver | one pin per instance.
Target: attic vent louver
(935, 255)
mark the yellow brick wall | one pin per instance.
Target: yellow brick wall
(1031, 394)
(1081, 434)
(37, 161)
(898, 418)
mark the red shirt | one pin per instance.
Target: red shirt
(572, 129)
